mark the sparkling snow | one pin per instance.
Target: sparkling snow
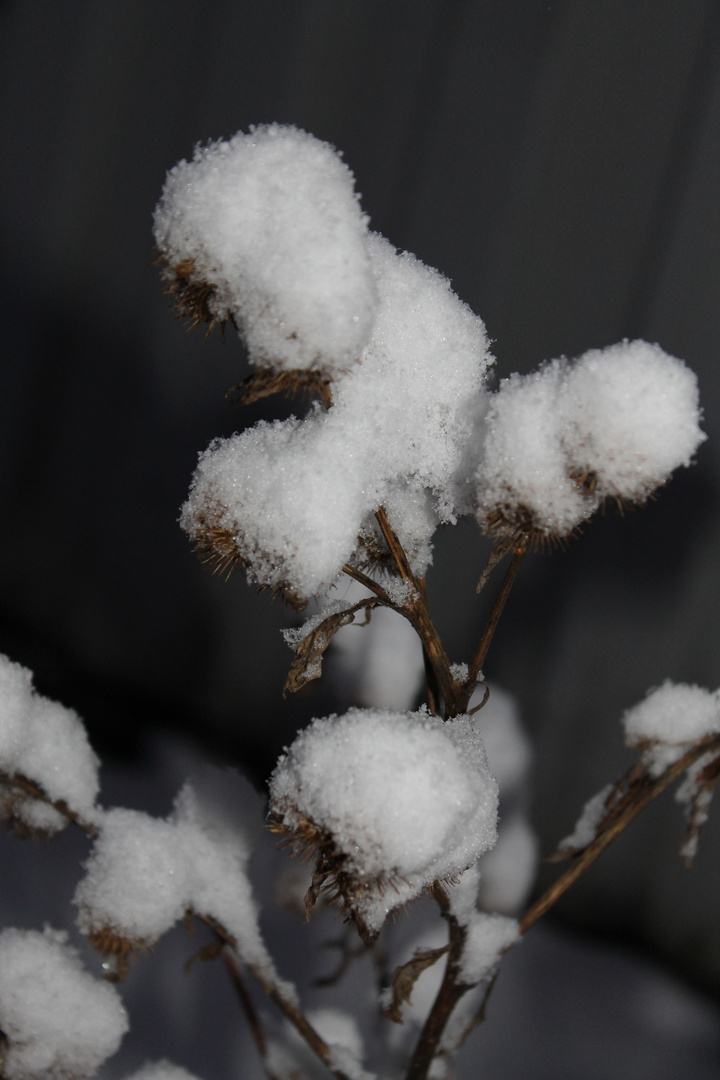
(406, 798)
(59, 1021)
(47, 743)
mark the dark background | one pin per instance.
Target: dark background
(560, 163)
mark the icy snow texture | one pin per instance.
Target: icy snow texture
(58, 1019)
(669, 721)
(47, 743)
(295, 495)
(406, 798)
(618, 421)
(271, 220)
(144, 873)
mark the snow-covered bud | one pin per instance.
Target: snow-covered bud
(58, 1021)
(43, 746)
(266, 229)
(613, 424)
(392, 803)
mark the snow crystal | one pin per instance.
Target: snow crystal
(406, 798)
(614, 423)
(47, 743)
(294, 496)
(144, 874)
(271, 221)
(669, 721)
(58, 1019)
(586, 825)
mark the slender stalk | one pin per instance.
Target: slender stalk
(288, 1008)
(256, 1030)
(368, 582)
(33, 790)
(481, 652)
(451, 990)
(419, 615)
(647, 789)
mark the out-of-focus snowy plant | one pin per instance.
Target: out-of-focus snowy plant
(389, 800)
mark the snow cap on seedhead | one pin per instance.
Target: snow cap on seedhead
(391, 802)
(266, 229)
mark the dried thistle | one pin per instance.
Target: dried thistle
(192, 294)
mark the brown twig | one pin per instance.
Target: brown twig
(368, 582)
(452, 988)
(288, 1008)
(481, 652)
(34, 791)
(256, 1029)
(646, 789)
(418, 614)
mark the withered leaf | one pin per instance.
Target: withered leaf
(309, 651)
(266, 381)
(404, 979)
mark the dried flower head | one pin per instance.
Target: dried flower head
(388, 803)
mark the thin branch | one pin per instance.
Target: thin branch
(368, 582)
(256, 1030)
(288, 1008)
(497, 609)
(452, 988)
(419, 615)
(647, 789)
(34, 791)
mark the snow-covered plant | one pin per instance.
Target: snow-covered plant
(390, 800)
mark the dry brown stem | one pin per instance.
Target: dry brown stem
(641, 791)
(451, 990)
(29, 788)
(288, 1008)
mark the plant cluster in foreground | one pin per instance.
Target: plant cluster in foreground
(405, 433)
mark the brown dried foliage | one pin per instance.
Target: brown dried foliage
(404, 978)
(265, 381)
(192, 295)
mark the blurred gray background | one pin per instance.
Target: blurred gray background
(560, 162)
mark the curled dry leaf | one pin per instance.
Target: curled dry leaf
(404, 979)
(310, 649)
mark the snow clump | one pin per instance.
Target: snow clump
(45, 743)
(393, 802)
(266, 229)
(613, 424)
(669, 721)
(290, 499)
(58, 1020)
(145, 873)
